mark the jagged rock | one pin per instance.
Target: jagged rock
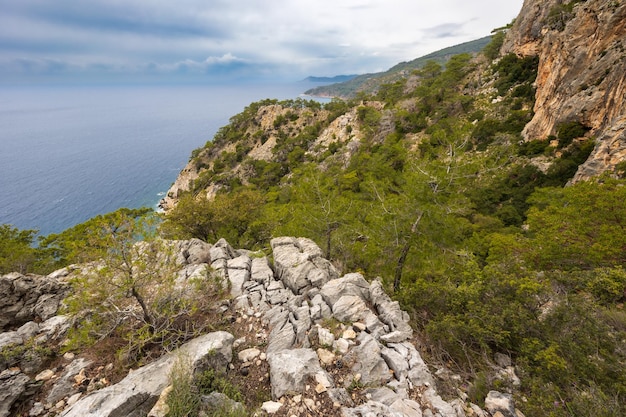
(260, 270)
(13, 384)
(406, 407)
(580, 75)
(37, 409)
(29, 297)
(53, 328)
(282, 336)
(349, 308)
(348, 285)
(325, 337)
(373, 325)
(194, 251)
(302, 324)
(221, 251)
(368, 362)
(137, 393)
(67, 384)
(299, 264)
(238, 273)
(192, 271)
(395, 361)
(499, 402)
(438, 404)
(10, 339)
(28, 330)
(418, 373)
(291, 369)
(340, 397)
(319, 309)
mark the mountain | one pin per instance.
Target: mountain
(368, 83)
(335, 79)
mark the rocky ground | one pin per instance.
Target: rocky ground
(301, 337)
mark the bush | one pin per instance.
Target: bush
(567, 132)
(533, 147)
(185, 398)
(492, 50)
(514, 70)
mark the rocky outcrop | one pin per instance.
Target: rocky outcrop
(329, 344)
(29, 297)
(136, 394)
(582, 72)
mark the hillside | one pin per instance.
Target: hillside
(450, 244)
(368, 83)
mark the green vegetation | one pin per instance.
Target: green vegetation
(185, 398)
(436, 195)
(130, 293)
(370, 83)
(16, 251)
(560, 14)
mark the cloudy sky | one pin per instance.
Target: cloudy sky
(213, 40)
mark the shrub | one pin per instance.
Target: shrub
(567, 132)
(533, 147)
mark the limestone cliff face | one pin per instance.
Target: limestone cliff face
(582, 72)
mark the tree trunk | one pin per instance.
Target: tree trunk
(400, 265)
(146, 312)
(397, 279)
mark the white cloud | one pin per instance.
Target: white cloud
(294, 37)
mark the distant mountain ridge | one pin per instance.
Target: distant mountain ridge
(335, 79)
(368, 83)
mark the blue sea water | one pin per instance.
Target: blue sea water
(70, 153)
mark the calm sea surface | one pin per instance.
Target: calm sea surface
(68, 154)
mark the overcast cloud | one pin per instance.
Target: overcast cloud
(219, 39)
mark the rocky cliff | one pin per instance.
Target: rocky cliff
(323, 344)
(582, 72)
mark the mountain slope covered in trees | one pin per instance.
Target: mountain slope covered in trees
(434, 184)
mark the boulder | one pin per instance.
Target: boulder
(136, 394)
(349, 308)
(195, 251)
(12, 386)
(368, 362)
(291, 370)
(350, 284)
(499, 402)
(299, 264)
(28, 330)
(10, 339)
(260, 270)
(29, 298)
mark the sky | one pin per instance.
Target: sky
(222, 40)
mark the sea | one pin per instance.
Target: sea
(70, 153)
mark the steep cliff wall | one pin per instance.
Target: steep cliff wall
(582, 69)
